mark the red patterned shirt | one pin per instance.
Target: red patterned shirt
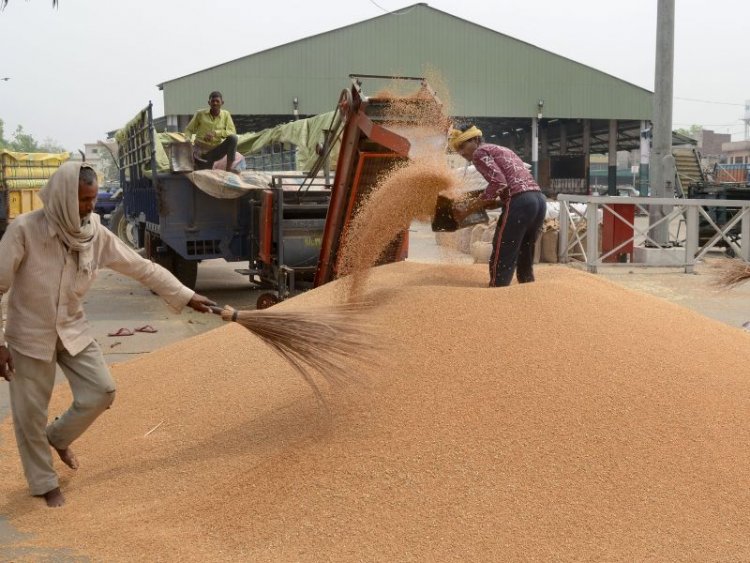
(505, 172)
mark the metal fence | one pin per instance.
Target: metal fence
(702, 232)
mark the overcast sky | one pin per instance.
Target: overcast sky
(90, 65)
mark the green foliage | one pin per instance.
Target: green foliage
(21, 141)
(693, 131)
(107, 165)
(3, 142)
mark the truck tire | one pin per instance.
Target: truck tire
(164, 259)
(185, 270)
(119, 225)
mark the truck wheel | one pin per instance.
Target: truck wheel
(120, 225)
(185, 270)
(164, 259)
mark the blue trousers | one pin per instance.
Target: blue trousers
(515, 237)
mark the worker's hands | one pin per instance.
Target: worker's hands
(209, 136)
(462, 209)
(201, 303)
(6, 363)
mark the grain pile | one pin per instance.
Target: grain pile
(490, 430)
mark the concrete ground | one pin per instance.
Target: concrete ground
(118, 302)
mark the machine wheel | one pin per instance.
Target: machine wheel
(185, 270)
(120, 225)
(266, 300)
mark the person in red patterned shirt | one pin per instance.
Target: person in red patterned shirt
(510, 185)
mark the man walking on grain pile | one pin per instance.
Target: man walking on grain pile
(524, 205)
(48, 260)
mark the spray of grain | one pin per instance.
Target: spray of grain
(405, 194)
(408, 191)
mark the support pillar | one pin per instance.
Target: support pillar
(586, 147)
(643, 172)
(612, 159)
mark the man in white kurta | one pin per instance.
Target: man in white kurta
(48, 260)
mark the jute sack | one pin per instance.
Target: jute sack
(549, 246)
(577, 249)
(481, 252)
(489, 233)
(463, 240)
(477, 233)
(538, 249)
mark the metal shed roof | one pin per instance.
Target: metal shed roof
(485, 73)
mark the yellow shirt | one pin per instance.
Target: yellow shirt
(46, 292)
(203, 122)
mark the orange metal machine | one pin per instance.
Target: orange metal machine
(374, 137)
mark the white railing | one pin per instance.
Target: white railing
(582, 243)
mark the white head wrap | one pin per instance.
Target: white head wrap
(60, 198)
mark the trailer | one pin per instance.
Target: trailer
(22, 175)
(180, 217)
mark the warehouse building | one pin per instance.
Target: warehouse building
(553, 111)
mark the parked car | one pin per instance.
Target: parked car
(109, 197)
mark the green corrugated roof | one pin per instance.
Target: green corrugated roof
(488, 74)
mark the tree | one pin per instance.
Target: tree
(3, 142)
(107, 164)
(51, 145)
(693, 132)
(23, 142)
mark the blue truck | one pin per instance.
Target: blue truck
(275, 227)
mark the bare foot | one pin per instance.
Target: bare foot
(54, 498)
(68, 457)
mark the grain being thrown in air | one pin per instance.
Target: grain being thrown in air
(407, 193)
(533, 422)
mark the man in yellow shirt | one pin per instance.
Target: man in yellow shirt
(215, 134)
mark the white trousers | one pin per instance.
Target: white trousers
(30, 391)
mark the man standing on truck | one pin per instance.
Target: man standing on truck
(215, 135)
(48, 260)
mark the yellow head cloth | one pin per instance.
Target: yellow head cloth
(456, 138)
